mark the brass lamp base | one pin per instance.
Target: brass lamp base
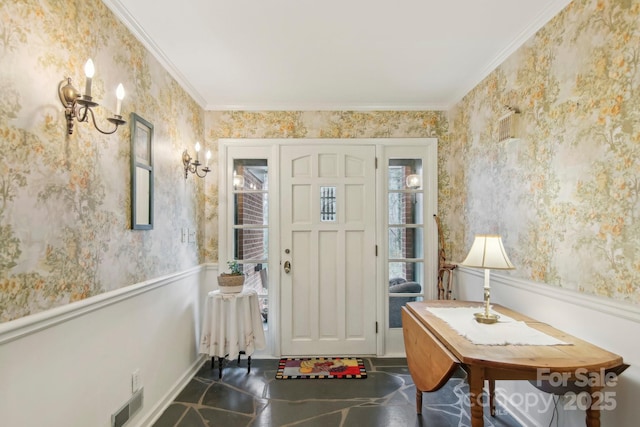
(486, 318)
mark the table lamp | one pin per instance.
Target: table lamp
(487, 252)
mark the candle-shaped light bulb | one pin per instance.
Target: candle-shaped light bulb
(89, 69)
(208, 157)
(120, 96)
(197, 151)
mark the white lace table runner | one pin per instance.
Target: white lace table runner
(505, 331)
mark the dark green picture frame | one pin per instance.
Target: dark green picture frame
(141, 173)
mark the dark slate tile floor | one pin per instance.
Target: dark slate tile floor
(385, 399)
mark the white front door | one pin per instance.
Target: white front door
(328, 253)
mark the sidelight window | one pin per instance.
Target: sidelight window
(250, 228)
(405, 224)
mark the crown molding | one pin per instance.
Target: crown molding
(123, 14)
(325, 107)
(541, 20)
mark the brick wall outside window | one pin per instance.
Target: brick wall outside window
(408, 233)
(250, 209)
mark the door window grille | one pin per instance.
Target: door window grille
(328, 204)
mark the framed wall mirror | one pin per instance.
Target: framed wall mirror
(141, 173)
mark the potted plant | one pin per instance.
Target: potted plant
(232, 282)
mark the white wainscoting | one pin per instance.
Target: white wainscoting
(72, 366)
(612, 325)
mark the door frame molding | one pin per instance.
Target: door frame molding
(388, 342)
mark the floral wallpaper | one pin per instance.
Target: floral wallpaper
(312, 124)
(65, 199)
(566, 195)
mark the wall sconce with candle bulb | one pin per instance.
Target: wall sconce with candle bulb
(238, 181)
(79, 107)
(192, 166)
(414, 181)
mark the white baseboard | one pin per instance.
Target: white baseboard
(515, 412)
(172, 393)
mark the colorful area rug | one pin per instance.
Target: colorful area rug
(321, 368)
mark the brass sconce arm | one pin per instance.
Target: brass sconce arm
(79, 107)
(192, 166)
(116, 119)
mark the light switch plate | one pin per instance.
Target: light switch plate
(135, 381)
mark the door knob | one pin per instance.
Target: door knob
(287, 267)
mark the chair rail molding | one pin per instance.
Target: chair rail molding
(611, 307)
(27, 325)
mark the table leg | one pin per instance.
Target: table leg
(593, 411)
(492, 397)
(240, 353)
(248, 360)
(418, 402)
(476, 383)
(220, 360)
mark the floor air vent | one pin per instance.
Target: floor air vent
(133, 405)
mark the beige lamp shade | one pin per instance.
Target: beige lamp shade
(487, 251)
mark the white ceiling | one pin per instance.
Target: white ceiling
(332, 54)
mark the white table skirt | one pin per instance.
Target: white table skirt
(232, 323)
